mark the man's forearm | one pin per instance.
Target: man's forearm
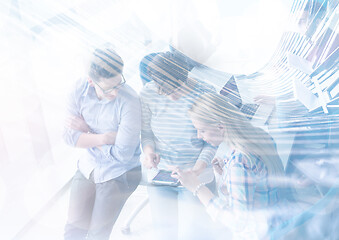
(89, 140)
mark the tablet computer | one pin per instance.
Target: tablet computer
(164, 178)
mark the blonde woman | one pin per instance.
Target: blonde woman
(248, 167)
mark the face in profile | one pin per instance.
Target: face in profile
(176, 95)
(211, 134)
(108, 88)
(170, 75)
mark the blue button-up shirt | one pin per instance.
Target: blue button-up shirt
(123, 114)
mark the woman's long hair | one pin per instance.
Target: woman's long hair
(240, 134)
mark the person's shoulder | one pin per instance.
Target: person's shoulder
(128, 98)
(80, 87)
(128, 93)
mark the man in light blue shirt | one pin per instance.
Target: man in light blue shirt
(105, 119)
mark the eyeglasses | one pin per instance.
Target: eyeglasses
(122, 83)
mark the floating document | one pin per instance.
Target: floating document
(299, 63)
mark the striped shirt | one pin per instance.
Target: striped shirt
(167, 127)
(244, 192)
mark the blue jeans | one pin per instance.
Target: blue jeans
(94, 208)
(177, 214)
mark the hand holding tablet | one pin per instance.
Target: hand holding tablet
(164, 178)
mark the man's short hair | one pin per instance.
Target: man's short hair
(105, 63)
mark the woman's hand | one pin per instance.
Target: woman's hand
(152, 159)
(77, 123)
(191, 182)
(188, 179)
(218, 165)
